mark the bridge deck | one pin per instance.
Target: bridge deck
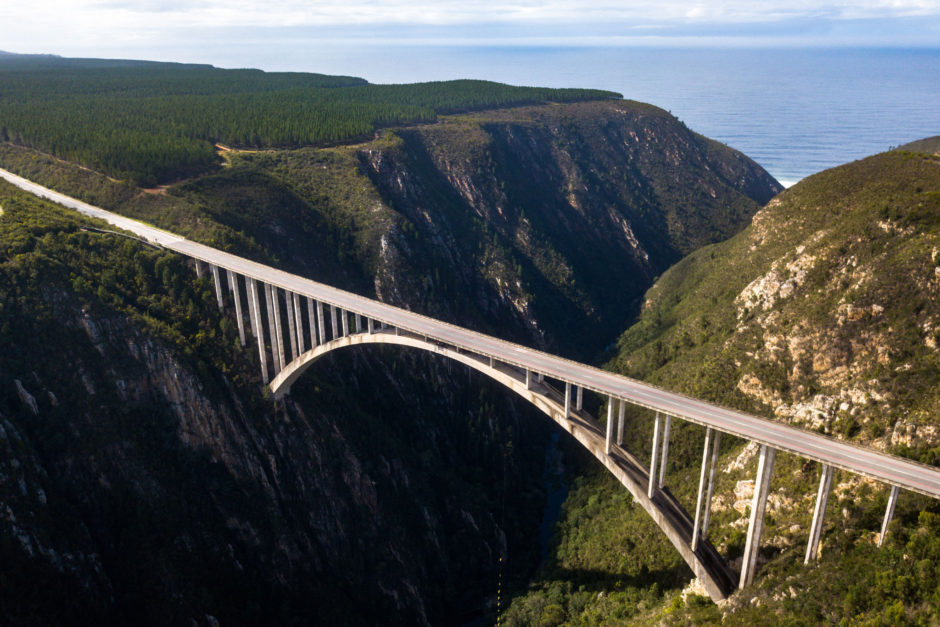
(890, 469)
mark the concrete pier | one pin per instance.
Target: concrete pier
(218, 285)
(755, 528)
(312, 320)
(651, 488)
(822, 498)
(321, 322)
(889, 514)
(611, 401)
(298, 316)
(716, 439)
(255, 314)
(567, 400)
(665, 453)
(291, 327)
(620, 415)
(239, 317)
(334, 323)
(702, 504)
(274, 328)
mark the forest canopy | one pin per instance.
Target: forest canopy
(149, 122)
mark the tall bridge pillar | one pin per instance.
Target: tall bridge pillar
(620, 416)
(312, 320)
(703, 504)
(822, 498)
(218, 284)
(274, 327)
(611, 401)
(755, 528)
(233, 283)
(651, 488)
(298, 315)
(889, 514)
(321, 322)
(291, 327)
(254, 311)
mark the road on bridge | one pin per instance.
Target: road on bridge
(894, 470)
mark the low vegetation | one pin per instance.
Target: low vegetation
(150, 123)
(822, 313)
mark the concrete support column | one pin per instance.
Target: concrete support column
(541, 378)
(711, 483)
(274, 327)
(528, 379)
(358, 323)
(291, 328)
(889, 514)
(334, 324)
(344, 316)
(567, 399)
(233, 283)
(699, 502)
(755, 526)
(254, 312)
(651, 488)
(492, 363)
(610, 423)
(321, 322)
(370, 326)
(312, 320)
(822, 498)
(298, 317)
(665, 455)
(198, 268)
(620, 414)
(579, 399)
(218, 284)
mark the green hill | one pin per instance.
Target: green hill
(151, 123)
(823, 313)
(145, 477)
(929, 145)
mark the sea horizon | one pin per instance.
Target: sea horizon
(795, 111)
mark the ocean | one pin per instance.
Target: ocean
(794, 111)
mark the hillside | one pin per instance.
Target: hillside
(930, 145)
(822, 313)
(557, 215)
(151, 123)
(150, 481)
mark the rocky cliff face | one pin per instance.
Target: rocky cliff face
(822, 313)
(150, 481)
(562, 214)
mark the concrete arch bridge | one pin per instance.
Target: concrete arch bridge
(294, 321)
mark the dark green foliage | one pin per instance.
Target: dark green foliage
(842, 276)
(151, 122)
(127, 481)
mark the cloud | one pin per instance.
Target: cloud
(73, 26)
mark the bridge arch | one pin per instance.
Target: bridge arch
(705, 561)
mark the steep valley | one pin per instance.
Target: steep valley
(821, 313)
(146, 478)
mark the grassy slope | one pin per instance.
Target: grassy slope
(315, 211)
(846, 265)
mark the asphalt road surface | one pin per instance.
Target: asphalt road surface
(894, 470)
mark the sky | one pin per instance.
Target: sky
(208, 30)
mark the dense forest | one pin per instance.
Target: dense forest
(151, 123)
